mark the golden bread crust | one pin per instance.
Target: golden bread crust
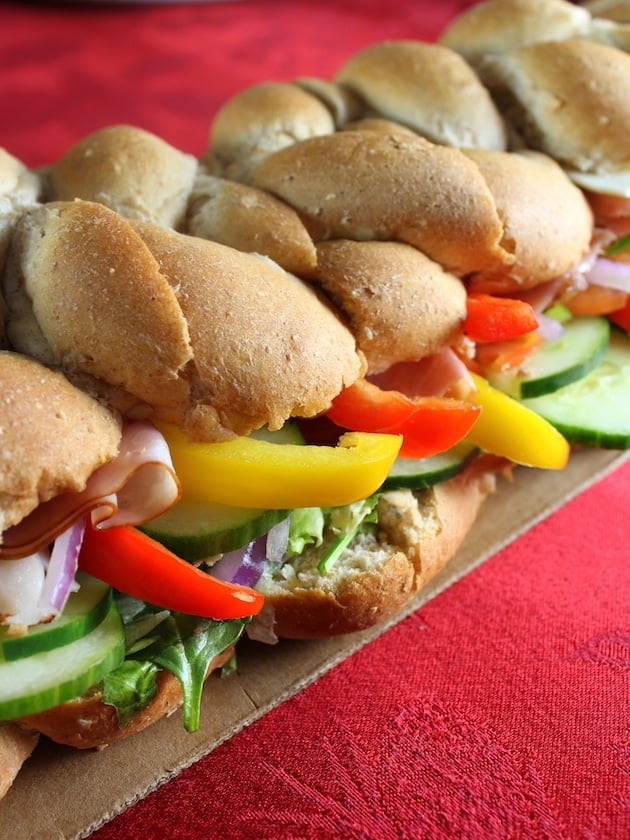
(400, 305)
(66, 437)
(428, 88)
(260, 120)
(568, 99)
(20, 188)
(172, 326)
(372, 185)
(266, 347)
(380, 124)
(250, 220)
(617, 10)
(99, 305)
(497, 26)
(549, 227)
(418, 533)
(342, 103)
(130, 170)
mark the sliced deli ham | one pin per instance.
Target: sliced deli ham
(137, 485)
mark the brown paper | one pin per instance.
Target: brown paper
(106, 782)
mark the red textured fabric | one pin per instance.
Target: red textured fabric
(70, 69)
(501, 709)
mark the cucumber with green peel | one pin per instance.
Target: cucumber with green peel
(558, 362)
(84, 610)
(195, 529)
(595, 410)
(289, 433)
(44, 680)
(419, 473)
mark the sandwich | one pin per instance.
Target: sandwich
(69, 463)
(326, 341)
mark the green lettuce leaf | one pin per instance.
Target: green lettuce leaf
(157, 638)
(192, 647)
(130, 688)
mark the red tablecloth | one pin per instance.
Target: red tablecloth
(501, 709)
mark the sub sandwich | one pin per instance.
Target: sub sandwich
(268, 393)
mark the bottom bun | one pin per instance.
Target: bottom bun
(88, 723)
(16, 744)
(417, 534)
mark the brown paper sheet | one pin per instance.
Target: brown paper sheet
(37, 806)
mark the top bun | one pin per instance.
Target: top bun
(569, 99)
(129, 170)
(105, 311)
(428, 88)
(390, 186)
(171, 326)
(250, 220)
(617, 10)
(400, 305)
(54, 436)
(19, 189)
(547, 220)
(498, 26)
(265, 346)
(262, 119)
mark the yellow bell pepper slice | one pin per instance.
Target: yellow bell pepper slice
(506, 427)
(247, 472)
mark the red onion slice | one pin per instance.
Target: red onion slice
(243, 566)
(540, 297)
(549, 328)
(278, 541)
(62, 568)
(610, 274)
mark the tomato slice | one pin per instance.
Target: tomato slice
(428, 424)
(595, 300)
(621, 317)
(492, 318)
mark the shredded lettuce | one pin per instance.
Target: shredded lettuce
(346, 522)
(310, 526)
(619, 246)
(306, 527)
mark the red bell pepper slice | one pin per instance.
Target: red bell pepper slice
(428, 424)
(621, 317)
(139, 566)
(492, 318)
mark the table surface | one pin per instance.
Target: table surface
(499, 709)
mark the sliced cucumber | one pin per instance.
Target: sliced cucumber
(419, 473)
(289, 433)
(194, 529)
(558, 362)
(44, 680)
(83, 612)
(595, 411)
